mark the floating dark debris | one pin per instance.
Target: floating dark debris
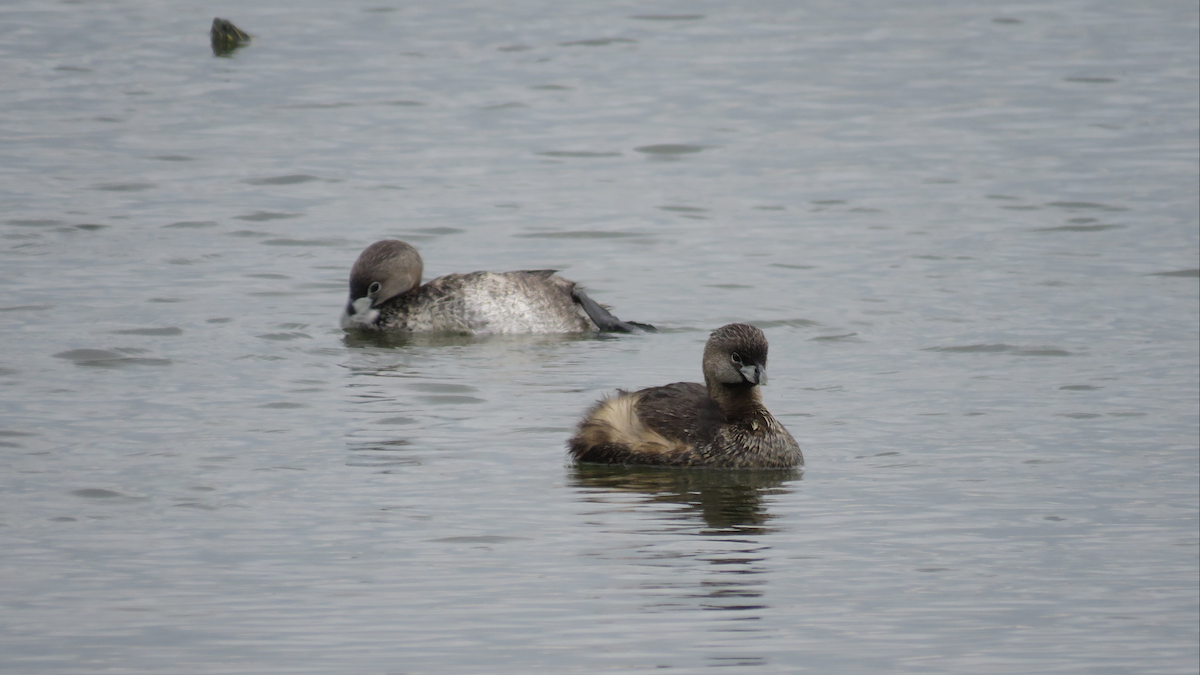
(227, 37)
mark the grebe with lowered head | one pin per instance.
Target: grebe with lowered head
(386, 294)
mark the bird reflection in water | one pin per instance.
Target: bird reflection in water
(728, 502)
(715, 534)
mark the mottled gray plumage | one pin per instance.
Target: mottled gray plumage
(386, 294)
(721, 423)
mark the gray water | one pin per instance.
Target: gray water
(968, 229)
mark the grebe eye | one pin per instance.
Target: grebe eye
(374, 288)
(736, 358)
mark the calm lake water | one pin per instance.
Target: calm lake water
(968, 229)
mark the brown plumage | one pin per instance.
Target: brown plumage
(721, 423)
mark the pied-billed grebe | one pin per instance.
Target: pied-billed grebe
(719, 424)
(386, 294)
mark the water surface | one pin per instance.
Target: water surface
(969, 231)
